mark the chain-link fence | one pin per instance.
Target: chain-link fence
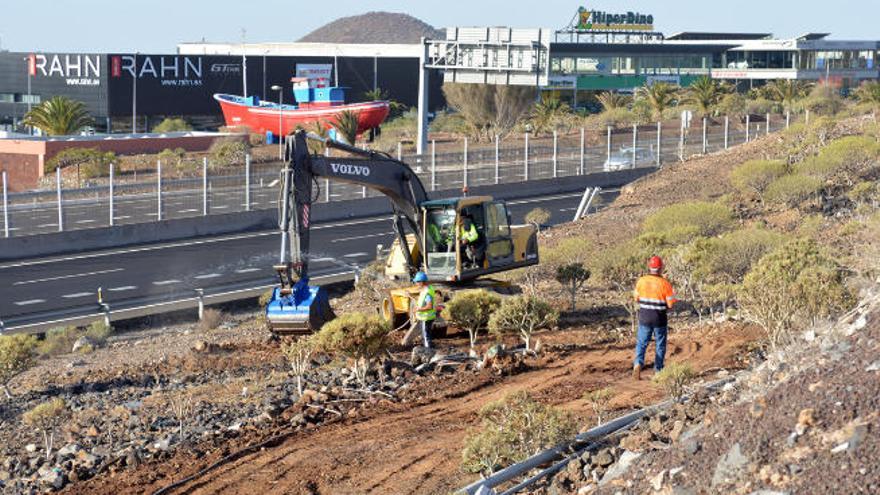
(152, 195)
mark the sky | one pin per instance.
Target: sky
(156, 26)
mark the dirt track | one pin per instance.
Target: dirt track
(414, 447)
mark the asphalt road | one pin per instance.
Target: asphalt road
(45, 289)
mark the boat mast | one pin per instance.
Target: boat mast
(243, 64)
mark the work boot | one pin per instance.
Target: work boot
(637, 372)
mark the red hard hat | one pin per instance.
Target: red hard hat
(655, 263)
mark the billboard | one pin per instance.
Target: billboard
(319, 75)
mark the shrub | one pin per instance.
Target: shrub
(568, 250)
(211, 319)
(17, 354)
(674, 378)
(46, 417)
(471, 310)
(89, 162)
(760, 106)
(522, 315)
(513, 429)
(864, 192)
(683, 221)
(299, 355)
(171, 124)
(733, 105)
(98, 332)
(846, 157)
(823, 100)
(599, 402)
(227, 152)
(620, 266)
(792, 190)
(617, 117)
(450, 122)
(538, 217)
(265, 298)
(755, 175)
(572, 276)
(58, 341)
(356, 336)
(796, 282)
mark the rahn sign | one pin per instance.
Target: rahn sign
(171, 70)
(596, 20)
(76, 69)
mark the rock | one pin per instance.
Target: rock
(92, 431)
(691, 446)
(849, 437)
(806, 419)
(31, 448)
(730, 466)
(162, 445)
(657, 481)
(875, 366)
(132, 459)
(758, 407)
(620, 467)
(5, 475)
(82, 343)
(68, 450)
(603, 458)
(202, 346)
(52, 477)
(637, 441)
(655, 425)
(421, 355)
(677, 428)
(574, 470)
(86, 459)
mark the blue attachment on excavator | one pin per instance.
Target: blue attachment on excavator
(304, 311)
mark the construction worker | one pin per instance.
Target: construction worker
(426, 311)
(654, 295)
(468, 238)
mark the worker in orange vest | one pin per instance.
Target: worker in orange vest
(654, 295)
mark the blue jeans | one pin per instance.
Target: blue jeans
(643, 338)
(427, 326)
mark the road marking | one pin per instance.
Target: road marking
(62, 277)
(43, 226)
(29, 301)
(321, 260)
(209, 275)
(123, 288)
(248, 270)
(190, 210)
(167, 282)
(123, 217)
(220, 207)
(354, 255)
(354, 238)
(78, 294)
(91, 220)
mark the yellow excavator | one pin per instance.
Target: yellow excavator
(455, 241)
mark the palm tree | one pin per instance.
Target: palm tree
(659, 96)
(705, 93)
(545, 112)
(786, 92)
(59, 116)
(611, 100)
(346, 125)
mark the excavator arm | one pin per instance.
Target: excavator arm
(297, 307)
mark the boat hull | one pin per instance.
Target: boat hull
(265, 118)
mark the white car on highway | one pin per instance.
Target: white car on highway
(623, 159)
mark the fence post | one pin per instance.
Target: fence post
(608, 144)
(327, 190)
(787, 118)
(111, 193)
(465, 164)
(705, 138)
(807, 116)
(635, 143)
(583, 151)
(526, 161)
(659, 142)
(159, 190)
(58, 193)
(748, 124)
(399, 150)
(247, 182)
(433, 165)
(555, 154)
(6, 207)
(726, 130)
(681, 142)
(767, 125)
(205, 186)
(497, 161)
(364, 192)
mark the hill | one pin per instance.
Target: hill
(374, 27)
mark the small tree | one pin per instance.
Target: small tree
(599, 402)
(681, 222)
(17, 353)
(659, 96)
(538, 217)
(171, 124)
(755, 175)
(674, 379)
(471, 310)
(346, 124)
(299, 356)
(46, 417)
(513, 429)
(522, 315)
(357, 336)
(572, 276)
(619, 266)
(792, 190)
(59, 116)
(181, 405)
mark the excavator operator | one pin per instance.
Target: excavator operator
(440, 230)
(470, 245)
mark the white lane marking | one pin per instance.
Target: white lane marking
(29, 301)
(62, 277)
(78, 294)
(123, 288)
(321, 260)
(190, 210)
(167, 282)
(220, 207)
(154, 214)
(567, 209)
(209, 275)
(43, 226)
(353, 238)
(122, 217)
(354, 255)
(86, 221)
(248, 270)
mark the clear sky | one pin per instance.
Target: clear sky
(158, 25)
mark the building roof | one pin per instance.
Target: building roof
(707, 36)
(813, 36)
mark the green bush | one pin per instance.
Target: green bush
(761, 106)
(227, 152)
(847, 157)
(471, 310)
(732, 104)
(356, 336)
(823, 100)
(538, 216)
(512, 430)
(572, 276)
(674, 378)
(796, 283)
(58, 341)
(568, 250)
(617, 117)
(755, 175)
(17, 353)
(599, 401)
(864, 192)
(171, 124)
(98, 332)
(681, 222)
(451, 123)
(46, 417)
(90, 162)
(522, 315)
(792, 190)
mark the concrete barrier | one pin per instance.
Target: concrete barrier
(76, 241)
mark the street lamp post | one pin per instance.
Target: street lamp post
(134, 88)
(29, 97)
(280, 122)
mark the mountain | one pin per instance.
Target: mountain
(374, 27)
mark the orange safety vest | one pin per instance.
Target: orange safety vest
(655, 295)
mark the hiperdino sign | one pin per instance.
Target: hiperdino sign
(596, 20)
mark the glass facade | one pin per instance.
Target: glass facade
(842, 59)
(630, 65)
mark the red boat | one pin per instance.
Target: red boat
(312, 105)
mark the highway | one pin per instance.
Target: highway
(56, 288)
